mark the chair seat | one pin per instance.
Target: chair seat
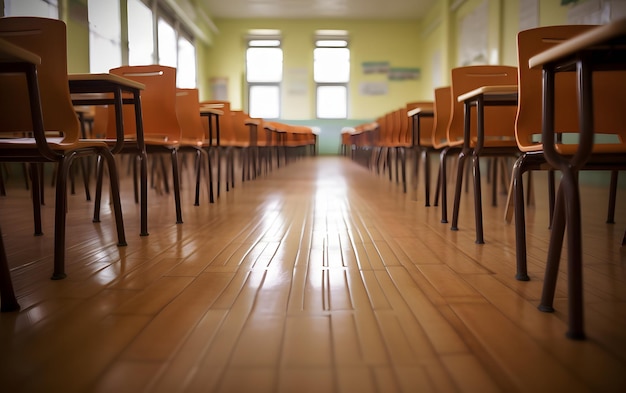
(570, 149)
(54, 143)
(132, 141)
(496, 142)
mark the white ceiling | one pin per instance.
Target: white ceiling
(313, 9)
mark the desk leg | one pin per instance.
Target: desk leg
(574, 256)
(143, 178)
(554, 254)
(444, 184)
(7, 296)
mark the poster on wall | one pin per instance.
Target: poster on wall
(595, 12)
(528, 14)
(436, 67)
(403, 73)
(373, 88)
(375, 67)
(219, 88)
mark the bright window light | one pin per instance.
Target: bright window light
(331, 102)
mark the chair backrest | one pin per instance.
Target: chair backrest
(382, 133)
(158, 103)
(402, 122)
(499, 120)
(608, 97)
(46, 38)
(396, 127)
(426, 123)
(441, 120)
(188, 113)
(241, 129)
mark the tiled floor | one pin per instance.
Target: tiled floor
(321, 277)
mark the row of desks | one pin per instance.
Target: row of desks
(600, 49)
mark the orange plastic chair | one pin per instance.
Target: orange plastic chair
(224, 140)
(162, 133)
(402, 141)
(242, 142)
(590, 99)
(39, 106)
(498, 130)
(610, 119)
(443, 113)
(194, 137)
(384, 143)
(421, 139)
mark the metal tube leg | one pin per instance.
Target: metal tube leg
(457, 191)
(478, 206)
(520, 221)
(554, 254)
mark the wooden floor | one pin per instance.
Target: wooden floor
(319, 277)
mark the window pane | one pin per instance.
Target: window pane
(140, 38)
(332, 102)
(167, 44)
(103, 54)
(186, 73)
(46, 9)
(265, 102)
(264, 64)
(105, 49)
(331, 65)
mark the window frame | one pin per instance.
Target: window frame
(56, 8)
(116, 42)
(332, 40)
(277, 84)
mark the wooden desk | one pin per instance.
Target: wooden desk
(213, 117)
(417, 114)
(599, 49)
(497, 95)
(110, 89)
(96, 89)
(12, 57)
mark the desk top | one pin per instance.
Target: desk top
(499, 92)
(11, 53)
(108, 78)
(587, 40)
(210, 111)
(420, 111)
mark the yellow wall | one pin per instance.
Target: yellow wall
(394, 42)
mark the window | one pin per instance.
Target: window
(175, 47)
(140, 34)
(264, 73)
(43, 8)
(177, 50)
(167, 43)
(186, 73)
(331, 72)
(105, 48)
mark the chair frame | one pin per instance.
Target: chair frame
(41, 150)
